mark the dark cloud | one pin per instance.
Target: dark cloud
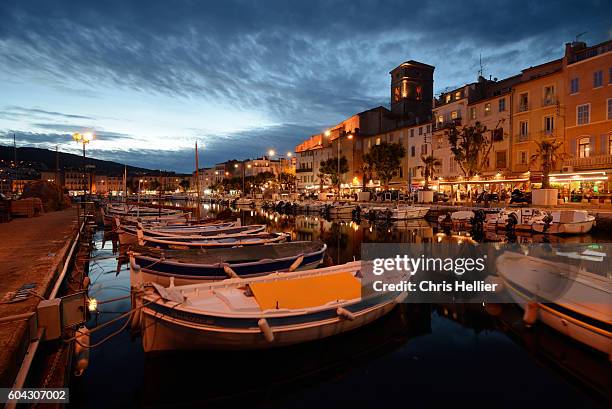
(303, 63)
(294, 59)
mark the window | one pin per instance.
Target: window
(549, 95)
(522, 158)
(428, 128)
(452, 166)
(574, 86)
(523, 102)
(420, 130)
(502, 104)
(582, 114)
(487, 109)
(473, 113)
(610, 76)
(458, 95)
(412, 133)
(440, 119)
(454, 114)
(549, 124)
(597, 79)
(500, 160)
(497, 134)
(584, 147)
(448, 98)
(412, 151)
(609, 108)
(523, 129)
(610, 144)
(424, 149)
(377, 141)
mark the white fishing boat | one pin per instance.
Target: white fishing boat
(460, 219)
(520, 219)
(565, 297)
(263, 312)
(129, 234)
(405, 212)
(340, 210)
(223, 240)
(564, 222)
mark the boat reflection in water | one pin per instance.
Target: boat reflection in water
(261, 377)
(583, 367)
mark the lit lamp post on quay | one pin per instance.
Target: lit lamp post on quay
(83, 138)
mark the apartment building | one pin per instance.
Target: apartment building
(587, 73)
(538, 113)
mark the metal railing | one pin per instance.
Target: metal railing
(591, 161)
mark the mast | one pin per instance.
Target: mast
(125, 185)
(197, 175)
(15, 149)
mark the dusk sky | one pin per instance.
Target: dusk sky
(241, 77)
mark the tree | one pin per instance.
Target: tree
(184, 185)
(154, 185)
(286, 180)
(329, 168)
(429, 167)
(548, 155)
(385, 159)
(471, 146)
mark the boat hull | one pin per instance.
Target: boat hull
(165, 333)
(564, 228)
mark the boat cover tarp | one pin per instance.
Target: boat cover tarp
(306, 292)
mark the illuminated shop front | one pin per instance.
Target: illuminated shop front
(582, 185)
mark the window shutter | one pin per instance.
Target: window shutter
(603, 144)
(593, 145)
(573, 151)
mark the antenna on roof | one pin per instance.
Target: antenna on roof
(481, 70)
(580, 35)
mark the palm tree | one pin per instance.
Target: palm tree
(429, 167)
(548, 155)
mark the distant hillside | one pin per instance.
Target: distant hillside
(67, 160)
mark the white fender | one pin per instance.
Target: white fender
(344, 313)
(266, 330)
(81, 353)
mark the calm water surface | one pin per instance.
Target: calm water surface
(417, 356)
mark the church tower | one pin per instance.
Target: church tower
(412, 92)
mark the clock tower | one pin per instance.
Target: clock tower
(412, 92)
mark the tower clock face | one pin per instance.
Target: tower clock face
(396, 94)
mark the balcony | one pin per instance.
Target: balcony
(302, 170)
(592, 162)
(438, 126)
(523, 107)
(549, 101)
(523, 137)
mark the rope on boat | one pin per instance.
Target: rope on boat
(106, 324)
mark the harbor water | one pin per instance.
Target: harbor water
(420, 355)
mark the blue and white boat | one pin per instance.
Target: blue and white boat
(270, 311)
(193, 266)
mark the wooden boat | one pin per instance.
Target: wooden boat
(196, 232)
(193, 266)
(339, 210)
(574, 302)
(564, 222)
(403, 212)
(275, 310)
(182, 243)
(519, 219)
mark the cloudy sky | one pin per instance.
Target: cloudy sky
(241, 77)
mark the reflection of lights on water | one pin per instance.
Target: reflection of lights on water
(370, 229)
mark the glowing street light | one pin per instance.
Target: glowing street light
(271, 152)
(83, 138)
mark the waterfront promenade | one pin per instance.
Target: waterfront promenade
(31, 251)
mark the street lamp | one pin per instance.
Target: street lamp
(271, 152)
(83, 138)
